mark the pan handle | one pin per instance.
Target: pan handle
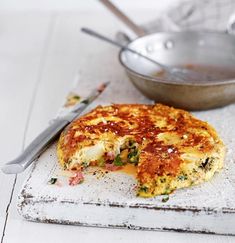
(124, 18)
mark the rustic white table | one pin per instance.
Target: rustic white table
(40, 54)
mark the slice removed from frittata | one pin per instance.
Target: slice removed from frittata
(170, 148)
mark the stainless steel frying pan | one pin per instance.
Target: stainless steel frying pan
(179, 48)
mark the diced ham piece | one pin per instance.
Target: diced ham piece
(110, 155)
(101, 88)
(76, 179)
(112, 167)
(58, 183)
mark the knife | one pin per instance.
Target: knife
(44, 139)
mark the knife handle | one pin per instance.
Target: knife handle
(36, 147)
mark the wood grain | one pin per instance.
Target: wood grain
(19, 62)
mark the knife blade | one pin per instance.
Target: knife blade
(44, 139)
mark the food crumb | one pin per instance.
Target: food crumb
(72, 99)
(76, 179)
(165, 199)
(52, 181)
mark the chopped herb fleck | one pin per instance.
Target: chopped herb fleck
(118, 161)
(52, 181)
(101, 162)
(77, 97)
(144, 188)
(182, 177)
(204, 164)
(131, 143)
(85, 101)
(85, 164)
(69, 161)
(162, 180)
(133, 156)
(165, 199)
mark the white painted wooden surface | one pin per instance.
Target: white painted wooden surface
(39, 56)
(214, 200)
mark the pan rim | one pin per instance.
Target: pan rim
(164, 81)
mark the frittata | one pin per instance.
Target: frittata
(170, 148)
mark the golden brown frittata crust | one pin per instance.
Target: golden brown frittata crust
(170, 148)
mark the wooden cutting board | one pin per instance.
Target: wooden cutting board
(108, 200)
